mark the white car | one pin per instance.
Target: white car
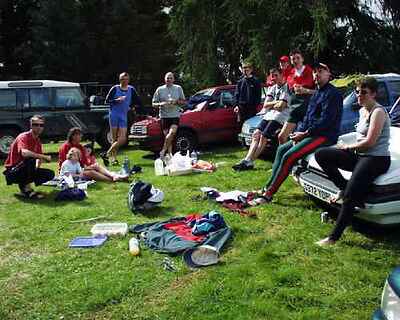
(382, 205)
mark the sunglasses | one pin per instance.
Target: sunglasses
(41, 125)
(124, 79)
(362, 92)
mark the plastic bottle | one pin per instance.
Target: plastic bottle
(159, 167)
(134, 248)
(167, 159)
(193, 156)
(125, 166)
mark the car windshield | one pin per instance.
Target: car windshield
(205, 92)
(350, 99)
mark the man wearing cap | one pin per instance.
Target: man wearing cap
(24, 160)
(320, 127)
(247, 94)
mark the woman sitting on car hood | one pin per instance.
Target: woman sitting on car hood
(367, 158)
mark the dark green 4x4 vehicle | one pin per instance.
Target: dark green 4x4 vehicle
(62, 104)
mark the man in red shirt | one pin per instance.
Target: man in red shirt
(24, 160)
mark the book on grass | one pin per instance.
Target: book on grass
(87, 242)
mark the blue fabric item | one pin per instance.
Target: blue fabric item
(71, 195)
(209, 222)
(324, 113)
(195, 100)
(132, 98)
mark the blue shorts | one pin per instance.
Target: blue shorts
(118, 120)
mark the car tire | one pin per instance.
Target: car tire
(104, 138)
(185, 140)
(7, 136)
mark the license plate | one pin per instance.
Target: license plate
(317, 192)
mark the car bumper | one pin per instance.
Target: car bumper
(146, 142)
(382, 209)
(378, 315)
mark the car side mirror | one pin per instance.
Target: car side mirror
(212, 105)
(355, 106)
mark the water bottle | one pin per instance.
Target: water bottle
(159, 167)
(167, 159)
(134, 248)
(125, 166)
(193, 156)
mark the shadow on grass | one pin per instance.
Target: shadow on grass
(155, 212)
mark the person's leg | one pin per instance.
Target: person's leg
(42, 175)
(23, 174)
(280, 152)
(114, 135)
(365, 172)
(254, 145)
(287, 129)
(100, 169)
(96, 175)
(169, 139)
(331, 159)
(267, 135)
(289, 158)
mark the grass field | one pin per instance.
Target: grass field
(270, 270)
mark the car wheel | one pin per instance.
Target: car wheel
(7, 137)
(185, 140)
(104, 138)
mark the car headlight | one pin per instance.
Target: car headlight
(245, 128)
(390, 304)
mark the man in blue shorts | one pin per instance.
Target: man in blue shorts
(121, 97)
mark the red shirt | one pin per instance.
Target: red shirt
(305, 80)
(64, 148)
(27, 141)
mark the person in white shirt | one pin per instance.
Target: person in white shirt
(71, 166)
(276, 112)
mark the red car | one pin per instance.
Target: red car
(210, 121)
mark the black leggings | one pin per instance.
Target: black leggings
(26, 172)
(365, 169)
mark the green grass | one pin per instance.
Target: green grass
(271, 269)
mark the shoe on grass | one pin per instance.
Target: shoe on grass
(326, 242)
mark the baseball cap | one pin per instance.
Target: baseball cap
(284, 59)
(320, 65)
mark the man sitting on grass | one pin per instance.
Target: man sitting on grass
(24, 160)
(276, 113)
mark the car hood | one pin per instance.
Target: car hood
(390, 177)
(149, 120)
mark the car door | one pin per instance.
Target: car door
(221, 121)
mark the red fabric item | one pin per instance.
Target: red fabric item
(65, 147)
(305, 80)
(24, 140)
(183, 230)
(91, 159)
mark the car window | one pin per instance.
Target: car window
(382, 95)
(23, 98)
(395, 88)
(8, 98)
(39, 97)
(69, 98)
(227, 98)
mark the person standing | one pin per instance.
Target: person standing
(168, 98)
(120, 97)
(25, 158)
(247, 94)
(320, 127)
(367, 158)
